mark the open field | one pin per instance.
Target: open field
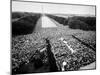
(37, 51)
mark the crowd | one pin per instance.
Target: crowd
(82, 56)
(25, 48)
(33, 48)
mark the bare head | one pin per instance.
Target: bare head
(64, 63)
(61, 39)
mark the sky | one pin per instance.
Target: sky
(52, 8)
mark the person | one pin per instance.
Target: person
(63, 66)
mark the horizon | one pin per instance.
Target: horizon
(52, 8)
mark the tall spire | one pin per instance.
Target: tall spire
(42, 10)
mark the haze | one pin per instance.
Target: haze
(52, 8)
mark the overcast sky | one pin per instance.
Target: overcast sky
(52, 8)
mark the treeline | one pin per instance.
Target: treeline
(84, 23)
(23, 23)
(21, 14)
(77, 22)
